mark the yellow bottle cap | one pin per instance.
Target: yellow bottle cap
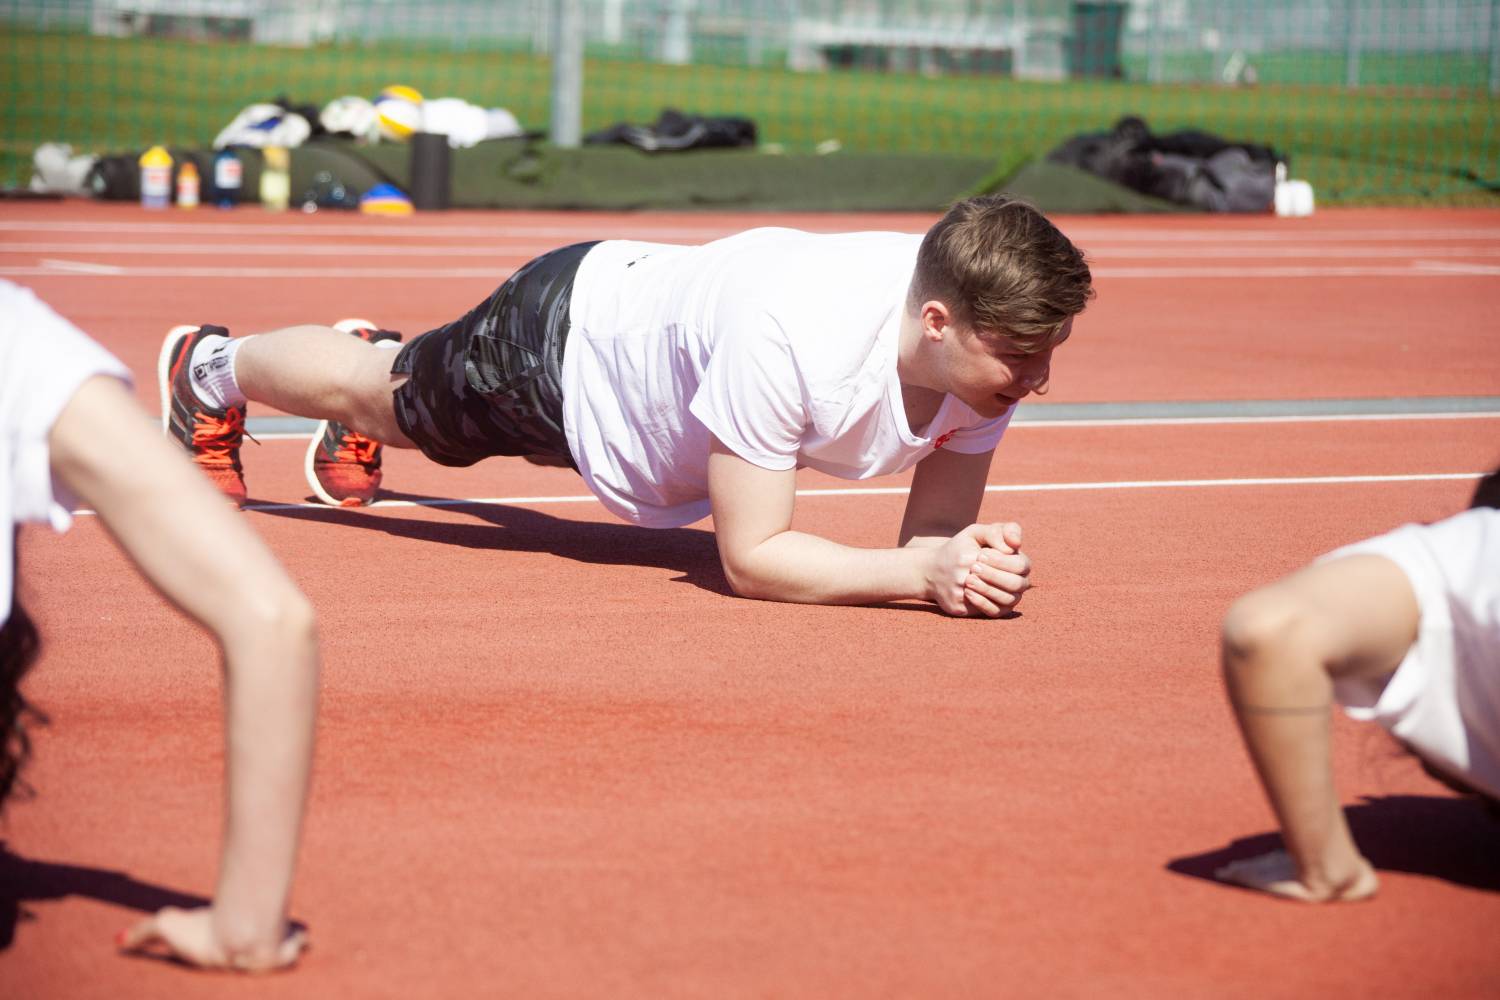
(156, 156)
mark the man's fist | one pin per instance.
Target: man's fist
(980, 571)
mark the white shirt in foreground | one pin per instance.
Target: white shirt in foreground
(1444, 698)
(781, 343)
(43, 361)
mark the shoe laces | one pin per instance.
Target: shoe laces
(216, 440)
(357, 448)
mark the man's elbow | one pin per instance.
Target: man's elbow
(747, 573)
(280, 610)
(742, 579)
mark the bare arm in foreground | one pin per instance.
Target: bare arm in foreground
(185, 539)
(1284, 645)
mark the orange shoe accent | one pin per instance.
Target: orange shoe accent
(211, 436)
(216, 439)
(343, 466)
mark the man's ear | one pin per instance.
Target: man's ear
(936, 319)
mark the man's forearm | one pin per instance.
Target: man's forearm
(806, 569)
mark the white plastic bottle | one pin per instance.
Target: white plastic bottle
(156, 178)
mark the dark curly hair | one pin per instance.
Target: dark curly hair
(19, 645)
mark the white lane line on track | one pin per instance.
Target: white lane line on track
(1413, 270)
(498, 248)
(1449, 267)
(501, 229)
(1311, 418)
(301, 248)
(874, 491)
(1310, 252)
(383, 273)
(90, 269)
(1211, 234)
(506, 226)
(81, 267)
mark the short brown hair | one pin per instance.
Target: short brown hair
(1004, 269)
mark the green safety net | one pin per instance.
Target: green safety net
(1372, 101)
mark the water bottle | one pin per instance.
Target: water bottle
(187, 185)
(156, 178)
(228, 173)
(275, 179)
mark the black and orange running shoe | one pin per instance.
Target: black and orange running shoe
(211, 436)
(342, 466)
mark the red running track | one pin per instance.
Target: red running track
(556, 759)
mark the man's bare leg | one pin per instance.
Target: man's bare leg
(323, 373)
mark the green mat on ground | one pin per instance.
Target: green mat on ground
(525, 174)
(521, 174)
(1057, 188)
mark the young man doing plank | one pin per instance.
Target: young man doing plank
(687, 380)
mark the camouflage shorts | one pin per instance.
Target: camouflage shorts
(490, 383)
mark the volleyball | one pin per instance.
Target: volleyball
(402, 91)
(398, 112)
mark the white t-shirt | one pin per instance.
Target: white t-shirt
(43, 361)
(1444, 698)
(781, 343)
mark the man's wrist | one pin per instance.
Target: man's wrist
(241, 933)
(928, 569)
(1327, 877)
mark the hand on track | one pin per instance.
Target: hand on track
(1276, 873)
(981, 571)
(190, 936)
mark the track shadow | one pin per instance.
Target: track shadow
(1452, 839)
(23, 880)
(690, 552)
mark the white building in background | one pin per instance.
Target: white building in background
(272, 22)
(1026, 38)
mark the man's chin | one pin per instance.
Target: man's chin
(998, 405)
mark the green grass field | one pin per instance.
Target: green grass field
(1371, 146)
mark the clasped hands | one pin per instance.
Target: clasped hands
(980, 572)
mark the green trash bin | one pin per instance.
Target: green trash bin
(1094, 46)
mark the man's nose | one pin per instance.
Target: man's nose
(1036, 381)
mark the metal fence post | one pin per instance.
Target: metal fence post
(1494, 34)
(1154, 63)
(1351, 43)
(567, 73)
